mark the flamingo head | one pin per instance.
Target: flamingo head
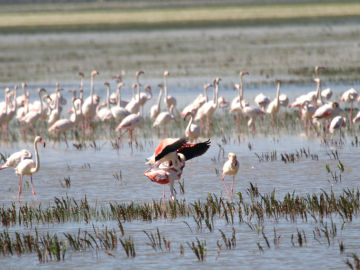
(94, 73)
(81, 75)
(120, 84)
(206, 86)
(107, 84)
(317, 68)
(216, 80)
(138, 73)
(41, 90)
(166, 73)
(242, 73)
(147, 88)
(187, 114)
(160, 85)
(23, 85)
(39, 139)
(72, 91)
(117, 77)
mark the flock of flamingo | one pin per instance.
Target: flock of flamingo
(169, 158)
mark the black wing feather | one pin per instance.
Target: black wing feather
(196, 150)
(171, 148)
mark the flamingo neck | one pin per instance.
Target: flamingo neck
(205, 94)
(107, 97)
(216, 94)
(92, 89)
(278, 93)
(74, 108)
(190, 122)
(41, 103)
(119, 97)
(165, 87)
(241, 92)
(159, 98)
(37, 160)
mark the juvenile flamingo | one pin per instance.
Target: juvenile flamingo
(231, 167)
(29, 167)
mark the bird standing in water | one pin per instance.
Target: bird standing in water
(230, 167)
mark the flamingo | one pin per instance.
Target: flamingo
(76, 116)
(32, 117)
(24, 102)
(11, 112)
(307, 111)
(274, 106)
(326, 93)
(134, 105)
(231, 167)
(326, 111)
(129, 123)
(198, 102)
(350, 96)
(4, 108)
(169, 160)
(90, 104)
(20, 100)
(208, 109)
(155, 109)
(119, 112)
(238, 102)
(144, 97)
(252, 113)
(262, 101)
(164, 118)
(192, 131)
(55, 113)
(29, 167)
(284, 100)
(337, 123)
(169, 100)
(14, 159)
(104, 112)
(57, 97)
(63, 125)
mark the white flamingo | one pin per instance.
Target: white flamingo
(29, 167)
(238, 103)
(231, 167)
(155, 109)
(104, 112)
(55, 112)
(350, 96)
(336, 124)
(61, 126)
(90, 104)
(208, 109)
(14, 159)
(169, 100)
(163, 119)
(262, 101)
(192, 130)
(197, 103)
(119, 112)
(274, 106)
(134, 104)
(129, 123)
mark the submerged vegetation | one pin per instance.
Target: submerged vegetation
(326, 212)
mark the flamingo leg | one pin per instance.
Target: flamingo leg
(351, 108)
(32, 188)
(67, 145)
(226, 188)
(171, 185)
(207, 124)
(20, 185)
(237, 121)
(164, 192)
(232, 185)
(131, 139)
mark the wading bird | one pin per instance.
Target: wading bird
(231, 167)
(29, 167)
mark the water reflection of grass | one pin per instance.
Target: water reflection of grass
(140, 18)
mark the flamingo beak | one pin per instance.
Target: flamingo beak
(43, 143)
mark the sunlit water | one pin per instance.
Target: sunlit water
(91, 172)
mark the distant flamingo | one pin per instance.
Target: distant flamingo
(238, 102)
(208, 109)
(90, 104)
(155, 109)
(15, 158)
(350, 96)
(118, 111)
(61, 126)
(197, 103)
(144, 97)
(134, 104)
(104, 113)
(262, 101)
(29, 167)
(231, 167)
(129, 123)
(55, 112)
(20, 100)
(192, 131)
(169, 100)
(336, 124)
(164, 118)
(274, 106)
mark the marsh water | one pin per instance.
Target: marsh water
(104, 174)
